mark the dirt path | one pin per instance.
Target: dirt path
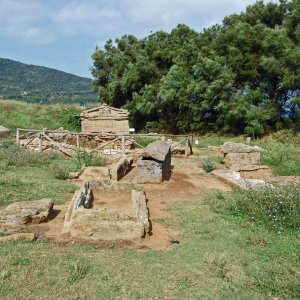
(188, 182)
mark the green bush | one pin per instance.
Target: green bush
(13, 155)
(89, 158)
(282, 157)
(208, 164)
(278, 207)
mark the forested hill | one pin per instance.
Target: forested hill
(43, 85)
(242, 76)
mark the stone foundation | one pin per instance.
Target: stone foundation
(102, 223)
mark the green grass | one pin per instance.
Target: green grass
(220, 257)
(26, 176)
(16, 114)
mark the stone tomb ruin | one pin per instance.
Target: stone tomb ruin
(241, 157)
(105, 210)
(154, 165)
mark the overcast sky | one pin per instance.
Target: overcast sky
(62, 34)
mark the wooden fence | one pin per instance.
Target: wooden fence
(43, 135)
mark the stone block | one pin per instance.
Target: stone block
(121, 168)
(19, 213)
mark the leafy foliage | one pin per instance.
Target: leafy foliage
(239, 77)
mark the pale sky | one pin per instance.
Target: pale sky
(63, 34)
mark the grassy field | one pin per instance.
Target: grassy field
(222, 257)
(14, 114)
(224, 252)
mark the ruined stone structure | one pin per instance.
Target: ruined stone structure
(238, 156)
(154, 165)
(105, 119)
(108, 221)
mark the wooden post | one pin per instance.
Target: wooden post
(123, 145)
(77, 141)
(186, 150)
(18, 136)
(40, 136)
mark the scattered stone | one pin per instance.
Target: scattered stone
(234, 179)
(238, 156)
(17, 236)
(139, 206)
(73, 175)
(20, 213)
(213, 148)
(154, 166)
(95, 173)
(4, 132)
(121, 168)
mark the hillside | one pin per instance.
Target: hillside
(41, 84)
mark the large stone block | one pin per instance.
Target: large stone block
(20, 213)
(241, 157)
(242, 161)
(154, 166)
(121, 168)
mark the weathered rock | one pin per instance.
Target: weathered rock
(157, 150)
(241, 157)
(121, 168)
(4, 132)
(17, 236)
(242, 161)
(139, 207)
(214, 148)
(95, 173)
(104, 223)
(230, 147)
(73, 175)
(154, 166)
(19, 213)
(234, 179)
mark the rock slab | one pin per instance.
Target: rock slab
(241, 157)
(20, 213)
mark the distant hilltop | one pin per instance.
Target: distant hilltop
(43, 85)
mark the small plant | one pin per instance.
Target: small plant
(276, 207)
(20, 261)
(208, 164)
(77, 271)
(89, 158)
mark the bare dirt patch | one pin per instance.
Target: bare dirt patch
(188, 182)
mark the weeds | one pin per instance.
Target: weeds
(208, 164)
(76, 272)
(89, 158)
(276, 207)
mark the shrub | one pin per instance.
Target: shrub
(283, 158)
(13, 155)
(89, 158)
(276, 207)
(208, 164)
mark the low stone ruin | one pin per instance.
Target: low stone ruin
(119, 212)
(22, 213)
(241, 157)
(154, 165)
(4, 132)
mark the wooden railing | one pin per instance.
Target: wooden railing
(44, 135)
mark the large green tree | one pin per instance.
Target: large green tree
(242, 76)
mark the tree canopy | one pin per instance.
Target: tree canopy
(242, 76)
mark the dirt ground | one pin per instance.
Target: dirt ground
(188, 182)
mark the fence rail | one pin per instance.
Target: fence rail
(44, 135)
